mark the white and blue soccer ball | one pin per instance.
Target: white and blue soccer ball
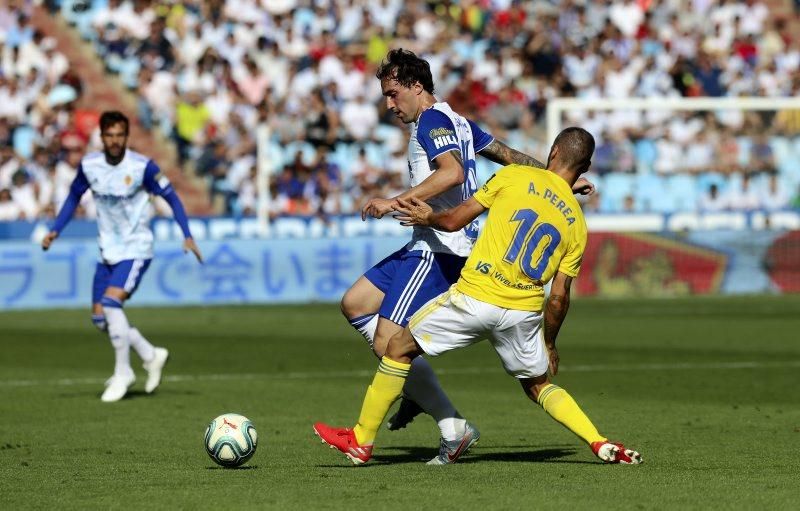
(231, 440)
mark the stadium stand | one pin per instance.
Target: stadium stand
(200, 76)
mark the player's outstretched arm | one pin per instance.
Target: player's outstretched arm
(158, 184)
(179, 214)
(76, 190)
(190, 245)
(48, 239)
(555, 311)
(416, 212)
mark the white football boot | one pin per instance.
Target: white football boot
(449, 452)
(117, 387)
(154, 367)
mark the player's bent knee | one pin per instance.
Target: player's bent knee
(532, 386)
(113, 302)
(117, 293)
(362, 298)
(402, 346)
(379, 346)
(344, 306)
(351, 306)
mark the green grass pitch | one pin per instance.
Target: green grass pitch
(706, 389)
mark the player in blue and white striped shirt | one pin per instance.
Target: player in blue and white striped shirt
(441, 161)
(122, 181)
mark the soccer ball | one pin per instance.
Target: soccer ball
(231, 440)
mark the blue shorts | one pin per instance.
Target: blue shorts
(409, 279)
(126, 274)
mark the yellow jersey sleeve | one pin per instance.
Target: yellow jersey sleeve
(488, 192)
(571, 262)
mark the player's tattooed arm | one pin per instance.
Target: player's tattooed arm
(500, 153)
(555, 311)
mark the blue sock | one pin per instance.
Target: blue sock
(99, 320)
(108, 301)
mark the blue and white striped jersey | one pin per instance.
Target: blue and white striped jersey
(439, 130)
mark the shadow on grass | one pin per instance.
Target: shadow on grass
(523, 454)
(132, 394)
(246, 467)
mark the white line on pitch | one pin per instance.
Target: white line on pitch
(587, 368)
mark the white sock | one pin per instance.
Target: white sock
(452, 428)
(422, 387)
(118, 333)
(142, 346)
(366, 326)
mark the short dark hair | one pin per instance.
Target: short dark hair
(112, 117)
(405, 67)
(576, 146)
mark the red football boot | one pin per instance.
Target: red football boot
(615, 452)
(344, 439)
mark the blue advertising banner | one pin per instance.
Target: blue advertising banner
(236, 271)
(321, 269)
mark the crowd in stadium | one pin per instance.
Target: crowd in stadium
(206, 73)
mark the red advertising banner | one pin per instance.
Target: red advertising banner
(782, 262)
(617, 264)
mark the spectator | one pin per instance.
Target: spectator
(712, 201)
(154, 39)
(359, 119)
(774, 197)
(670, 155)
(321, 122)
(9, 164)
(247, 196)
(65, 171)
(744, 197)
(761, 156)
(700, 153)
(252, 82)
(367, 176)
(192, 116)
(327, 172)
(9, 210)
(499, 62)
(629, 204)
(509, 113)
(23, 192)
(603, 158)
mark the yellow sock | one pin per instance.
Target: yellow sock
(385, 389)
(560, 405)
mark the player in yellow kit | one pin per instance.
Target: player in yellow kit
(535, 233)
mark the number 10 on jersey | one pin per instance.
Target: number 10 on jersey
(527, 242)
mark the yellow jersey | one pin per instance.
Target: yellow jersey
(535, 227)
